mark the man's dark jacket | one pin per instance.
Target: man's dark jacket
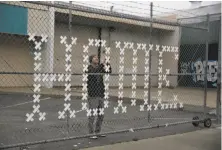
(95, 83)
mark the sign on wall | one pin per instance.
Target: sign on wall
(14, 19)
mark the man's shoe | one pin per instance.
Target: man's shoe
(102, 135)
(93, 137)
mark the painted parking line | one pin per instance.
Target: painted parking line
(79, 111)
(19, 104)
(173, 118)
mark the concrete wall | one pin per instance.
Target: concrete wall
(200, 36)
(38, 22)
(84, 32)
(170, 39)
(20, 57)
(193, 49)
(15, 57)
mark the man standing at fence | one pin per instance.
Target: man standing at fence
(96, 91)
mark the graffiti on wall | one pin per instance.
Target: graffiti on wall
(198, 69)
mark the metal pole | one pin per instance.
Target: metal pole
(49, 51)
(99, 48)
(179, 78)
(205, 69)
(70, 35)
(149, 88)
(218, 113)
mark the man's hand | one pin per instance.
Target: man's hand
(104, 62)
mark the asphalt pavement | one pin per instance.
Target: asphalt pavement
(15, 130)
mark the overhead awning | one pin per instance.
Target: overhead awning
(102, 17)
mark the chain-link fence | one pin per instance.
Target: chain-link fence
(69, 71)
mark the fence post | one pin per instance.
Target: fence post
(218, 104)
(70, 36)
(205, 67)
(149, 88)
(49, 51)
(99, 48)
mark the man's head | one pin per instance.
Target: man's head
(93, 59)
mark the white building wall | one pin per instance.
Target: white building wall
(25, 60)
(38, 22)
(84, 33)
(21, 57)
(15, 57)
(171, 39)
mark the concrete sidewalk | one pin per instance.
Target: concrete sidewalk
(206, 139)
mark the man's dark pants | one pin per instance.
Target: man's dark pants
(95, 103)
